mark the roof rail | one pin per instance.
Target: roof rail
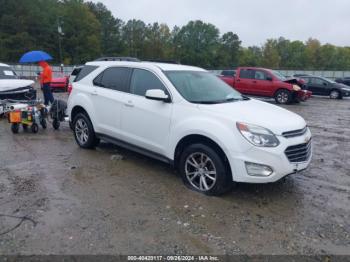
(163, 61)
(111, 58)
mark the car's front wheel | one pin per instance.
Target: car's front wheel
(203, 170)
(334, 94)
(84, 132)
(283, 96)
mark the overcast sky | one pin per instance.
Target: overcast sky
(253, 20)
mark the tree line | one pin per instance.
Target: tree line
(87, 30)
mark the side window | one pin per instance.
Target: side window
(83, 72)
(246, 74)
(319, 82)
(116, 78)
(306, 79)
(143, 80)
(260, 75)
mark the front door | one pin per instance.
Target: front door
(146, 123)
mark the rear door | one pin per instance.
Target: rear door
(146, 123)
(111, 87)
(244, 81)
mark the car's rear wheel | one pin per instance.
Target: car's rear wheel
(283, 97)
(84, 132)
(334, 94)
(203, 170)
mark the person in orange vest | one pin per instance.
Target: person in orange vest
(45, 80)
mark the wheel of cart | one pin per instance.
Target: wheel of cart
(35, 128)
(56, 124)
(15, 128)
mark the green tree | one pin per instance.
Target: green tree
(196, 44)
(111, 30)
(134, 36)
(81, 32)
(271, 57)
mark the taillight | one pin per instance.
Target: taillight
(70, 88)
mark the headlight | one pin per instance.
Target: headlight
(296, 88)
(257, 135)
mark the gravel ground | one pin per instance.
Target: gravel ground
(58, 199)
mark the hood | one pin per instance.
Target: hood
(7, 85)
(274, 118)
(341, 85)
(295, 81)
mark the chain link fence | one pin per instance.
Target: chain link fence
(30, 71)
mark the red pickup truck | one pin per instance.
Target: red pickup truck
(267, 83)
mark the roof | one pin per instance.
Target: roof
(1, 64)
(162, 66)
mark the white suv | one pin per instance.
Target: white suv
(189, 118)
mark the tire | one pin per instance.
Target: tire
(84, 133)
(283, 97)
(203, 170)
(56, 124)
(15, 128)
(35, 128)
(334, 94)
(43, 123)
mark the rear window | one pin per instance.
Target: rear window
(86, 70)
(7, 73)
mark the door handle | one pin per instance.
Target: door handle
(129, 104)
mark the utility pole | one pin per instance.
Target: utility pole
(60, 34)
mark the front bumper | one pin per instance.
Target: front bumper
(304, 95)
(345, 93)
(272, 157)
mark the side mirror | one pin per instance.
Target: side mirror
(269, 78)
(157, 94)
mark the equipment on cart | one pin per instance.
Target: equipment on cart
(28, 115)
(58, 113)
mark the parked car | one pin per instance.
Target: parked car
(11, 87)
(73, 76)
(59, 82)
(268, 83)
(344, 80)
(326, 87)
(188, 117)
(228, 73)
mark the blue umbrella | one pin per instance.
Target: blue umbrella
(35, 56)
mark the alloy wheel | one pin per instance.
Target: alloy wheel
(200, 171)
(334, 94)
(81, 131)
(282, 97)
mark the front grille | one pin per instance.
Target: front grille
(299, 153)
(295, 133)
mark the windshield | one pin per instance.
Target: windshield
(328, 80)
(7, 73)
(202, 87)
(279, 75)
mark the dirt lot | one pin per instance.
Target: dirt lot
(58, 199)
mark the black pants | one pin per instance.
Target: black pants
(48, 96)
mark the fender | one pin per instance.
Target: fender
(200, 127)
